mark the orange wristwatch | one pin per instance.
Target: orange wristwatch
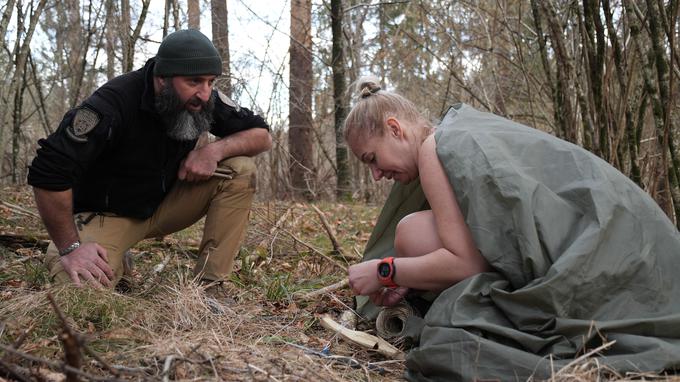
(386, 271)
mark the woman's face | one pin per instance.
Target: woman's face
(390, 156)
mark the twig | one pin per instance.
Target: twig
(327, 289)
(224, 176)
(225, 171)
(56, 365)
(329, 231)
(166, 367)
(333, 261)
(586, 355)
(71, 341)
(13, 372)
(276, 226)
(250, 365)
(20, 210)
(342, 359)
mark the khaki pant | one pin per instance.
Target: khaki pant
(225, 204)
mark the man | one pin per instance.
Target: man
(125, 165)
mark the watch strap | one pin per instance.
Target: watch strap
(75, 245)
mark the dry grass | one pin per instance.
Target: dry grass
(165, 326)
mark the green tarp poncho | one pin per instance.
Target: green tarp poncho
(582, 256)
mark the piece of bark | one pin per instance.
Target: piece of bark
(362, 339)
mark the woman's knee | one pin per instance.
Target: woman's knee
(416, 235)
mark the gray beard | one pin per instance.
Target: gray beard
(182, 124)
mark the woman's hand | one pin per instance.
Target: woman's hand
(388, 296)
(363, 278)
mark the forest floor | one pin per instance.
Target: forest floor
(165, 326)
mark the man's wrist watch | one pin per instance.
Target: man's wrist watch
(75, 245)
(386, 272)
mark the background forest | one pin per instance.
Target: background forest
(599, 73)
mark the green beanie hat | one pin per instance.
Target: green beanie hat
(187, 53)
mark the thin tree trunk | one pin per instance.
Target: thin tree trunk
(166, 17)
(560, 129)
(339, 101)
(220, 36)
(110, 39)
(124, 35)
(621, 68)
(194, 13)
(21, 59)
(4, 23)
(300, 102)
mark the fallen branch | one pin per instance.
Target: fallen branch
(13, 372)
(362, 339)
(333, 287)
(13, 240)
(20, 210)
(56, 365)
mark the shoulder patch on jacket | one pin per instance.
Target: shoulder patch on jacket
(228, 101)
(83, 122)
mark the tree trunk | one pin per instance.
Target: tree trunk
(110, 39)
(19, 69)
(300, 99)
(4, 23)
(124, 34)
(339, 101)
(194, 13)
(220, 37)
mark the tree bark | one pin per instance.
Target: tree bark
(220, 33)
(339, 101)
(194, 13)
(20, 68)
(300, 136)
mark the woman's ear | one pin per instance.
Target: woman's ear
(395, 127)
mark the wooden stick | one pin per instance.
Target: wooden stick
(324, 290)
(362, 339)
(329, 231)
(220, 175)
(225, 170)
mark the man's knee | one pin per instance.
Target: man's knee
(244, 171)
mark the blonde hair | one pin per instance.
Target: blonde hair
(374, 105)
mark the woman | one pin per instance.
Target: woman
(542, 250)
(434, 247)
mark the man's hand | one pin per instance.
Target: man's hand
(200, 163)
(90, 262)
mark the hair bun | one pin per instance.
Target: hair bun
(366, 86)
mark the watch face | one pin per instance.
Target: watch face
(384, 270)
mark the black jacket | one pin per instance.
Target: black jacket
(127, 163)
